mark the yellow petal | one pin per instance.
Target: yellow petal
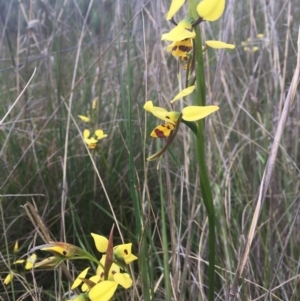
(260, 36)
(100, 134)
(162, 131)
(84, 118)
(8, 278)
(130, 258)
(181, 32)
(103, 291)
(175, 6)
(219, 45)
(162, 113)
(101, 242)
(30, 261)
(86, 134)
(193, 113)
(16, 247)
(123, 279)
(211, 10)
(19, 261)
(78, 280)
(183, 93)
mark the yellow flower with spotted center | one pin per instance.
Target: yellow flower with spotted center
(92, 140)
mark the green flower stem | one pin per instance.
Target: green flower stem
(165, 240)
(204, 178)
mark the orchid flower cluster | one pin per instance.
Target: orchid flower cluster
(183, 47)
(102, 284)
(92, 136)
(252, 45)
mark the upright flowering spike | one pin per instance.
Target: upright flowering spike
(103, 291)
(175, 6)
(101, 242)
(182, 31)
(211, 10)
(193, 113)
(219, 45)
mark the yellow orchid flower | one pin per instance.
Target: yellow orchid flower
(219, 44)
(184, 30)
(124, 252)
(91, 141)
(211, 10)
(103, 291)
(249, 45)
(190, 113)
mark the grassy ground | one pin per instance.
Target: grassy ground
(80, 50)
